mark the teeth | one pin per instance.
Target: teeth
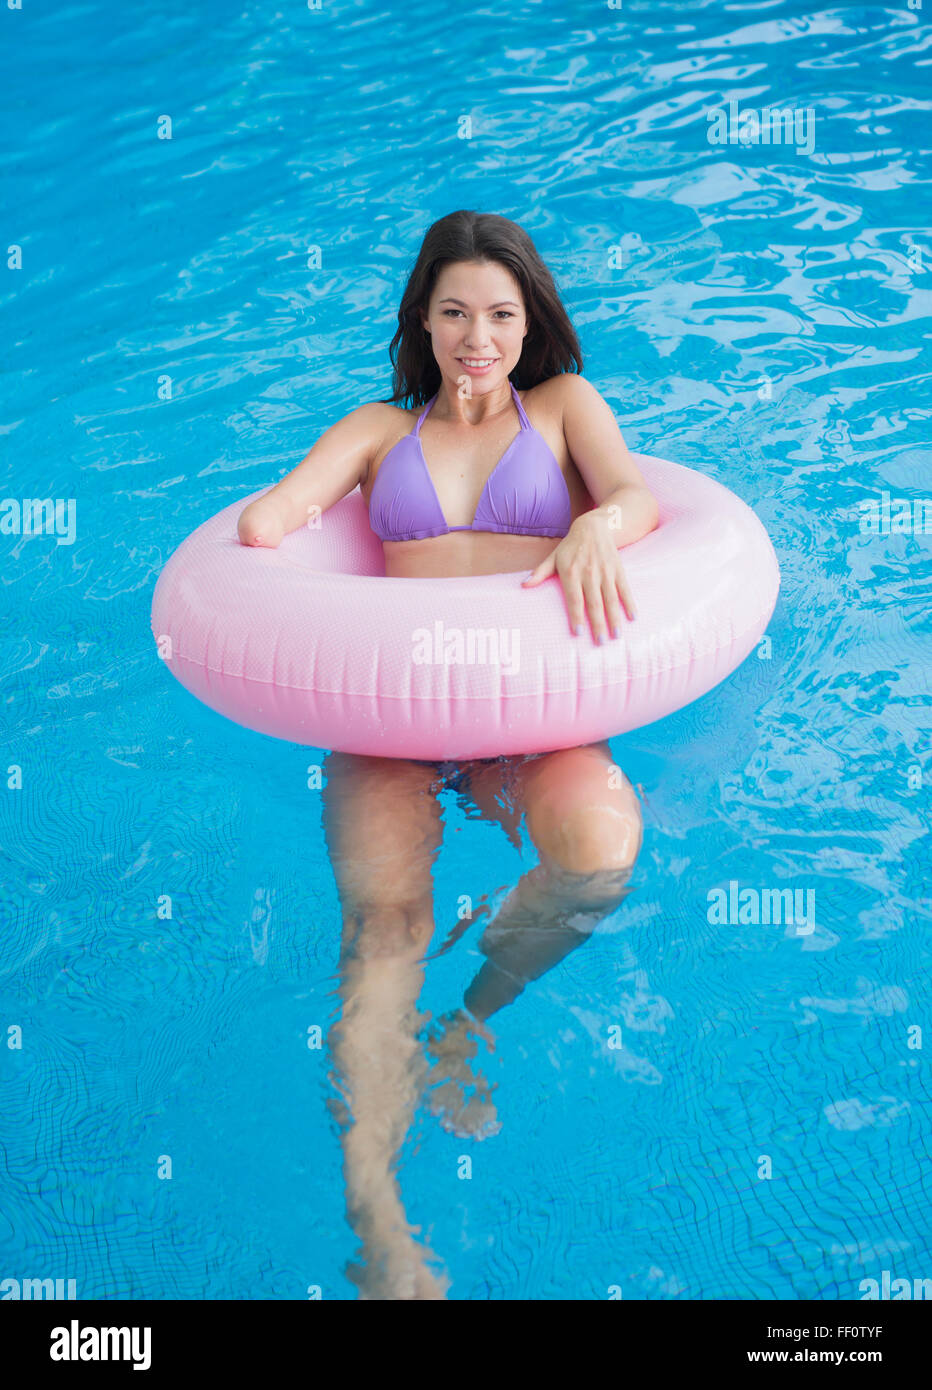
(478, 361)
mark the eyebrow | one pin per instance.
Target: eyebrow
(499, 305)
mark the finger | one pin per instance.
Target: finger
(612, 605)
(575, 606)
(624, 591)
(544, 570)
(592, 588)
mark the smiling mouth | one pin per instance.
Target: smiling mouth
(477, 361)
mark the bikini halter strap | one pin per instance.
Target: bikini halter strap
(522, 415)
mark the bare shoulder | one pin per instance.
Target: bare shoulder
(377, 413)
(574, 389)
(386, 408)
(382, 424)
(391, 421)
(384, 417)
(558, 393)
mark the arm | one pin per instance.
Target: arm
(333, 467)
(587, 559)
(606, 465)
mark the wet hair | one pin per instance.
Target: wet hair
(550, 344)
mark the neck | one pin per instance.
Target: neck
(474, 409)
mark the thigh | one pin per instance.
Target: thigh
(383, 827)
(550, 789)
(581, 809)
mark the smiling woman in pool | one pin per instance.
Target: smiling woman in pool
(496, 468)
(479, 487)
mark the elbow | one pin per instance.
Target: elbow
(247, 528)
(261, 524)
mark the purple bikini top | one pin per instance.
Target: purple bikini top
(524, 495)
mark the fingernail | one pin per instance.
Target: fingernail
(577, 631)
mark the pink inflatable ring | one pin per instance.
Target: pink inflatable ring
(311, 642)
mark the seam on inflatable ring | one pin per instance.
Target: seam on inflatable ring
(523, 695)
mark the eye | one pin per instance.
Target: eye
(507, 312)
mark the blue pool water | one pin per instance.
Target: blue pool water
(759, 313)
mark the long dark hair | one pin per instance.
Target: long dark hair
(550, 345)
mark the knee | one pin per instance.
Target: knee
(600, 840)
(385, 930)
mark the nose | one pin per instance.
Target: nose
(477, 339)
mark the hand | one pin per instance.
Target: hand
(261, 523)
(590, 571)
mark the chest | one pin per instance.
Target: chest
(460, 461)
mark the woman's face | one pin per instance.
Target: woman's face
(477, 323)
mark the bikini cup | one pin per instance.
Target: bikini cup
(525, 494)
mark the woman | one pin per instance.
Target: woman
(496, 468)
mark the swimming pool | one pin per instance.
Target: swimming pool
(191, 312)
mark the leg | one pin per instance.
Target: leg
(585, 822)
(383, 830)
